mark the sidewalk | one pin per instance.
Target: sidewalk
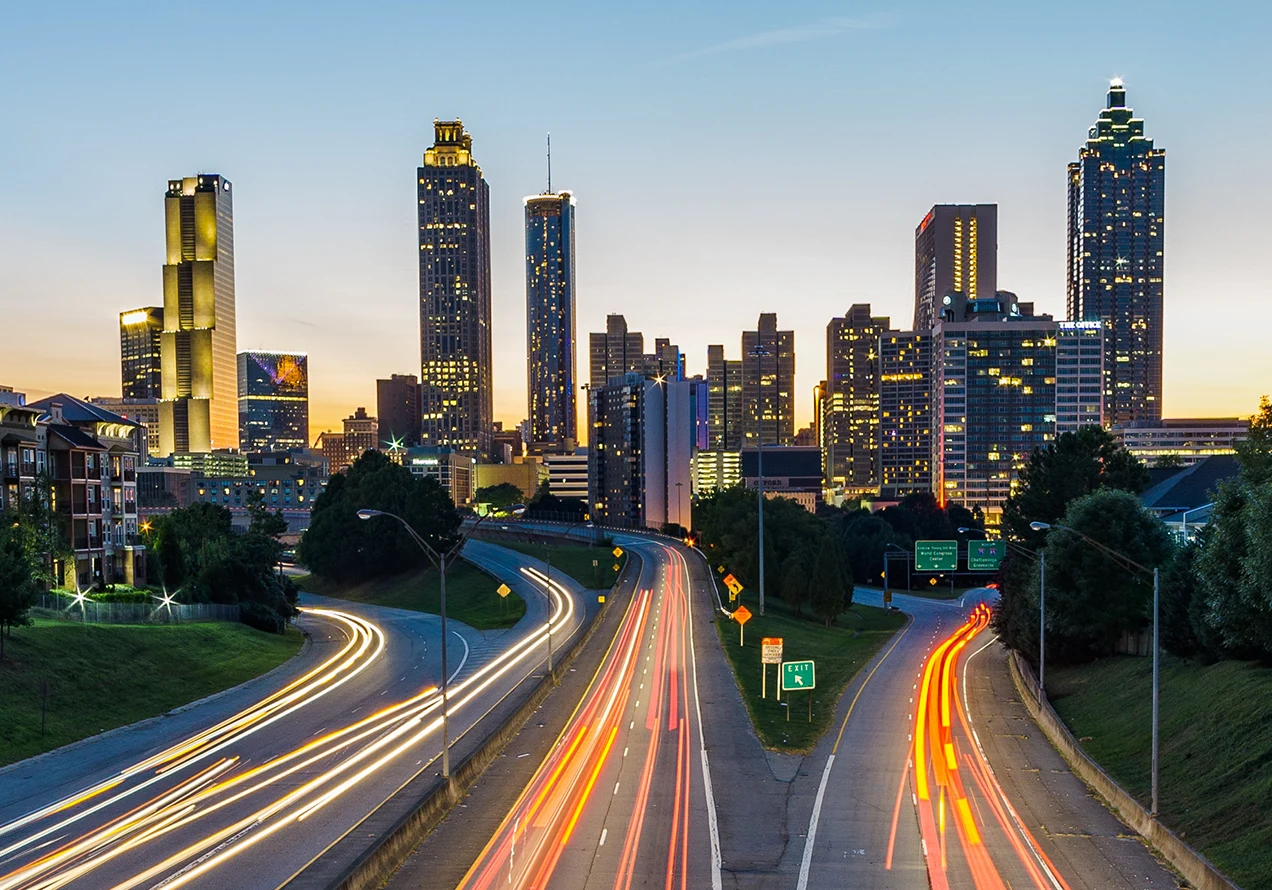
(1089, 846)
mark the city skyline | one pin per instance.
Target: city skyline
(719, 280)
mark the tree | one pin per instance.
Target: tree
(166, 546)
(17, 578)
(261, 521)
(795, 583)
(342, 547)
(500, 497)
(1233, 568)
(1092, 598)
(1076, 464)
(830, 591)
(1185, 631)
(1255, 453)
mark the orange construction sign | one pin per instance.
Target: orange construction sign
(742, 615)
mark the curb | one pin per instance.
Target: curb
(1195, 868)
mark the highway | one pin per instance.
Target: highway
(248, 788)
(624, 797)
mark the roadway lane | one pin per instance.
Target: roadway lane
(623, 797)
(909, 794)
(272, 782)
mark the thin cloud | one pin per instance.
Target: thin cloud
(821, 30)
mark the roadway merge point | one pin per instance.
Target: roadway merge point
(936, 556)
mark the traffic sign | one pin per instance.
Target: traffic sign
(742, 615)
(618, 551)
(985, 556)
(798, 675)
(503, 590)
(617, 567)
(936, 556)
(771, 650)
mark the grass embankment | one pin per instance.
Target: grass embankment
(576, 561)
(470, 594)
(103, 676)
(1216, 749)
(839, 652)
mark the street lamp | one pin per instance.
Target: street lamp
(758, 351)
(547, 549)
(1042, 605)
(439, 560)
(1131, 565)
(679, 499)
(887, 564)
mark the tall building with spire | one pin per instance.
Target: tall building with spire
(456, 394)
(1117, 192)
(550, 320)
(198, 411)
(955, 251)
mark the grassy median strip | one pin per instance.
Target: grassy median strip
(103, 676)
(1216, 749)
(839, 652)
(471, 595)
(576, 561)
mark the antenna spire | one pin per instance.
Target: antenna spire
(549, 163)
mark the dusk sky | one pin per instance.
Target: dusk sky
(728, 159)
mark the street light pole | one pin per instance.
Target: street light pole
(439, 560)
(758, 352)
(1133, 566)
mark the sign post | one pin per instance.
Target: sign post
(799, 675)
(742, 616)
(770, 653)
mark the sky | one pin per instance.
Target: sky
(727, 159)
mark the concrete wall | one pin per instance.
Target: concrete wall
(1188, 862)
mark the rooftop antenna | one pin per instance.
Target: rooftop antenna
(549, 164)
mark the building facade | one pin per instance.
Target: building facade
(361, 434)
(955, 251)
(905, 413)
(768, 383)
(614, 353)
(198, 410)
(567, 474)
(397, 408)
(455, 352)
(1182, 441)
(1079, 375)
(1117, 193)
(273, 401)
(140, 345)
(142, 411)
(716, 470)
(849, 412)
(455, 472)
(791, 471)
(724, 400)
(550, 321)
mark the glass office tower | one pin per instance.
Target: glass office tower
(550, 320)
(140, 350)
(273, 401)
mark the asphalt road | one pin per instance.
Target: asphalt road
(623, 799)
(247, 788)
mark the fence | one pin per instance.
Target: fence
(92, 612)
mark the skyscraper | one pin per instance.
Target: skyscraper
(724, 401)
(140, 344)
(955, 251)
(273, 401)
(550, 327)
(1116, 222)
(905, 413)
(199, 407)
(768, 383)
(397, 403)
(850, 402)
(1079, 375)
(615, 352)
(455, 352)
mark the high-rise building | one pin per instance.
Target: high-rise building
(955, 251)
(273, 401)
(724, 400)
(994, 399)
(140, 411)
(641, 453)
(199, 407)
(140, 344)
(1117, 191)
(550, 329)
(397, 407)
(455, 353)
(1079, 375)
(768, 383)
(615, 353)
(361, 434)
(905, 413)
(850, 403)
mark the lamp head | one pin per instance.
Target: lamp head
(367, 514)
(1040, 526)
(517, 509)
(964, 530)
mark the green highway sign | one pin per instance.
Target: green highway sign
(985, 556)
(798, 675)
(936, 556)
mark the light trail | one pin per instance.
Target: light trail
(368, 745)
